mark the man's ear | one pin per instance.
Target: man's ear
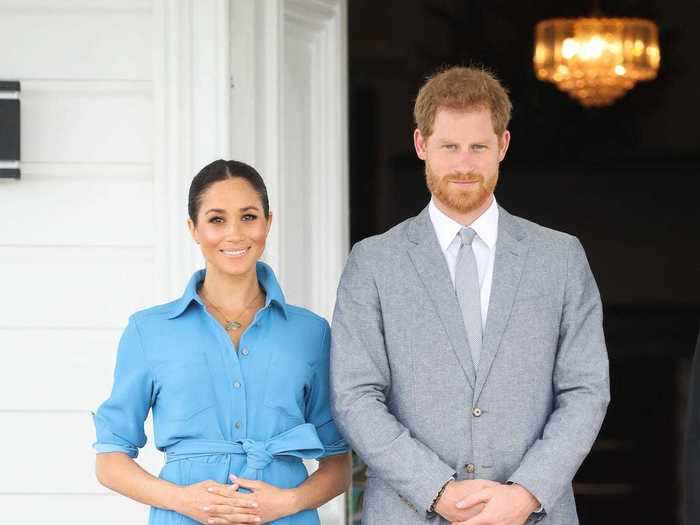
(503, 144)
(420, 143)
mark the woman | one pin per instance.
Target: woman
(237, 380)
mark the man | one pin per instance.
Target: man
(469, 369)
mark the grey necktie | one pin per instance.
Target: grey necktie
(468, 295)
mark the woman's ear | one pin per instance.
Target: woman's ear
(193, 230)
(269, 222)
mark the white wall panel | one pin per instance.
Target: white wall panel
(75, 40)
(56, 455)
(102, 171)
(76, 246)
(74, 287)
(71, 212)
(109, 509)
(74, 121)
(57, 369)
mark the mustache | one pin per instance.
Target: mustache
(470, 176)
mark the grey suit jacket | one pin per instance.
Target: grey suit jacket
(404, 389)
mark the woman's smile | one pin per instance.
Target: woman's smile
(235, 253)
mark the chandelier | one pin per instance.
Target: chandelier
(596, 60)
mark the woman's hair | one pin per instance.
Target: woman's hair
(221, 170)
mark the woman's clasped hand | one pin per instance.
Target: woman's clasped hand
(210, 502)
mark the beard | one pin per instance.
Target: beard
(461, 200)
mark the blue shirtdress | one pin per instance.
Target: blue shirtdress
(256, 412)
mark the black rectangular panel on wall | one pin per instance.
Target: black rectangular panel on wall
(9, 130)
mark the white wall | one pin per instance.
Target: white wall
(122, 102)
(74, 259)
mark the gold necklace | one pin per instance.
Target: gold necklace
(232, 325)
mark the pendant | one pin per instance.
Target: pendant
(232, 325)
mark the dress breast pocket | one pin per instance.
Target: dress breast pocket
(287, 380)
(185, 390)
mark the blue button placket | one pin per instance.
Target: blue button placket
(237, 425)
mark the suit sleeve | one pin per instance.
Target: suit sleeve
(360, 380)
(581, 387)
(119, 420)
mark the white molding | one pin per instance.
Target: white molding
(75, 5)
(89, 171)
(318, 11)
(96, 254)
(257, 88)
(192, 121)
(330, 195)
(74, 508)
(323, 25)
(91, 86)
(269, 152)
(244, 67)
(116, 328)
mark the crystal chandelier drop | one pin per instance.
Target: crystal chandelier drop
(596, 60)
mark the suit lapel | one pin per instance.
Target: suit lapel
(511, 251)
(431, 266)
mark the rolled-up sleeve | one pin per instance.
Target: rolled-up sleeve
(318, 410)
(119, 421)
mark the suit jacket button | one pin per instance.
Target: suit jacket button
(476, 411)
(470, 468)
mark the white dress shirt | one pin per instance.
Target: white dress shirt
(484, 246)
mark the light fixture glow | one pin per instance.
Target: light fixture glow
(596, 60)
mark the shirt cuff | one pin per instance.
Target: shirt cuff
(104, 448)
(431, 510)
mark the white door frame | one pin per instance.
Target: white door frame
(261, 34)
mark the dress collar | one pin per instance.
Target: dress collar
(266, 278)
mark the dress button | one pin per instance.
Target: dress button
(244, 351)
(470, 468)
(476, 412)
(236, 385)
(237, 424)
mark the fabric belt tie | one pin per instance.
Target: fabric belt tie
(300, 442)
